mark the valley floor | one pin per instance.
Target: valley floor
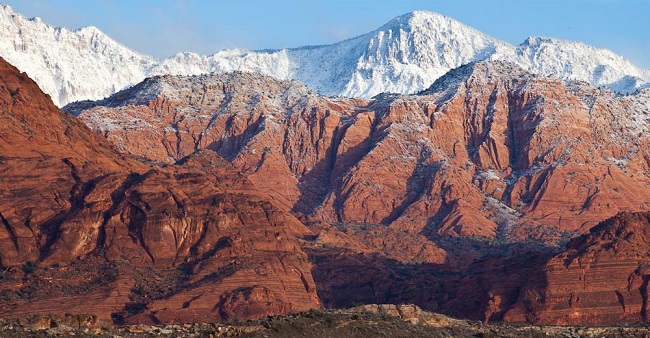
(362, 321)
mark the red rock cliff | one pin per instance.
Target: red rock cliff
(489, 150)
(451, 199)
(85, 229)
(601, 277)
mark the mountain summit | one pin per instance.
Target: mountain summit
(405, 55)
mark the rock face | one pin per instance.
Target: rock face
(489, 150)
(88, 230)
(601, 277)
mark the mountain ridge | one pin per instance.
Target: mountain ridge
(405, 55)
(101, 225)
(454, 202)
(240, 115)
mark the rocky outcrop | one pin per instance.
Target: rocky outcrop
(488, 151)
(85, 229)
(407, 312)
(601, 277)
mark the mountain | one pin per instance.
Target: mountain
(458, 199)
(405, 55)
(477, 180)
(488, 150)
(85, 229)
(69, 65)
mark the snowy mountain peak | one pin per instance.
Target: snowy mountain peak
(574, 60)
(406, 55)
(6, 9)
(91, 30)
(538, 40)
(416, 20)
(69, 65)
(430, 28)
(411, 51)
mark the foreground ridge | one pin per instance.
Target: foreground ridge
(368, 321)
(85, 229)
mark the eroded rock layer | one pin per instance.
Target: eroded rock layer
(85, 229)
(601, 277)
(458, 199)
(452, 199)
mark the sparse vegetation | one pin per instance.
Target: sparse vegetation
(29, 267)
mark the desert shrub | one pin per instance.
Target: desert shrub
(30, 267)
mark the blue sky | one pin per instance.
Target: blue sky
(163, 27)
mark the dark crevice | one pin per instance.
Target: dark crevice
(10, 230)
(418, 180)
(117, 197)
(356, 154)
(230, 146)
(179, 139)
(205, 225)
(512, 141)
(138, 218)
(52, 227)
(643, 289)
(73, 170)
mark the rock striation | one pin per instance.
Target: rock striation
(85, 229)
(190, 199)
(601, 277)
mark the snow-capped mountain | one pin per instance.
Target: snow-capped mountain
(405, 55)
(69, 65)
(578, 61)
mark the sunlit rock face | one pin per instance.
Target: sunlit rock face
(489, 150)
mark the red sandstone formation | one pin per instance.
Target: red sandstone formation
(489, 150)
(85, 229)
(444, 199)
(602, 277)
